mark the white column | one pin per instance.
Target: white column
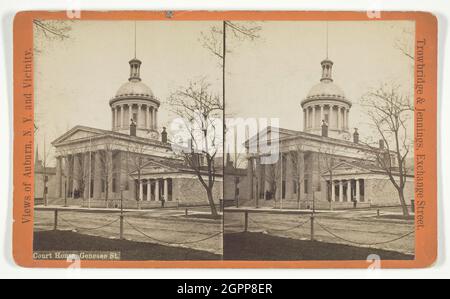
(139, 116)
(166, 190)
(157, 190)
(333, 193)
(321, 114)
(314, 117)
(76, 173)
(289, 175)
(346, 118)
(304, 119)
(145, 117)
(149, 190)
(150, 118)
(357, 191)
(330, 117)
(156, 119)
(341, 191)
(59, 179)
(148, 122)
(97, 175)
(141, 190)
(349, 190)
(308, 124)
(113, 115)
(86, 175)
(122, 112)
(339, 118)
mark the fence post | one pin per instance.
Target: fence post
(186, 212)
(312, 226)
(55, 221)
(121, 227)
(246, 221)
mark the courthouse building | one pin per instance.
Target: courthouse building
(324, 165)
(134, 160)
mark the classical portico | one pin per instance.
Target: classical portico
(158, 189)
(345, 190)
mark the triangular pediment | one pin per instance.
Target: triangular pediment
(155, 167)
(271, 133)
(344, 168)
(78, 133)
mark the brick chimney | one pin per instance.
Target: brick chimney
(132, 128)
(324, 129)
(356, 136)
(164, 135)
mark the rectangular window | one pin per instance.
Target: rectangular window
(305, 183)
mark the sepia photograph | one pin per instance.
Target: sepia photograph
(129, 138)
(223, 148)
(320, 143)
(224, 140)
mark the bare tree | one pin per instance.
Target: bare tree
(405, 43)
(84, 178)
(44, 164)
(135, 162)
(273, 177)
(215, 39)
(50, 30)
(107, 169)
(67, 175)
(53, 29)
(202, 112)
(389, 111)
(327, 162)
(298, 174)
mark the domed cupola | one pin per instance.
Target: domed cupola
(326, 105)
(134, 102)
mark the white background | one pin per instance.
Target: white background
(8, 8)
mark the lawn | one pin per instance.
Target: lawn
(260, 246)
(130, 250)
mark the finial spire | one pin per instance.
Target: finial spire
(135, 39)
(327, 64)
(36, 157)
(327, 40)
(135, 64)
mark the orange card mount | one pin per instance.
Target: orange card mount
(103, 178)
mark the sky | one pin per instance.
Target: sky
(268, 77)
(284, 64)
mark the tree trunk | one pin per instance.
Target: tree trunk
(401, 196)
(211, 203)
